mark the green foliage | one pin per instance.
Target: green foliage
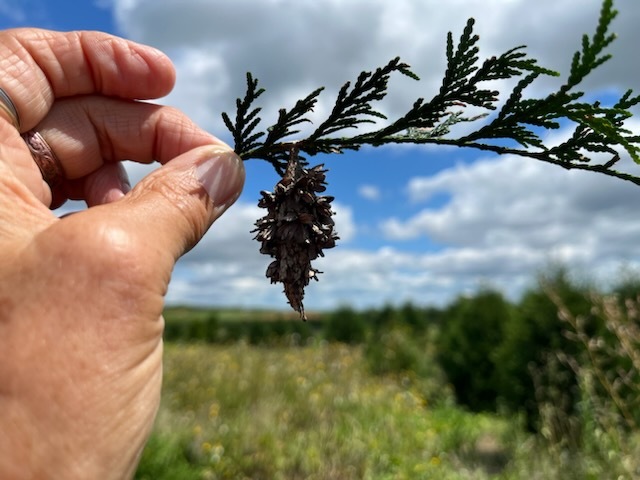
(257, 328)
(627, 286)
(591, 55)
(346, 326)
(200, 328)
(534, 333)
(395, 352)
(609, 367)
(167, 456)
(382, 318)
(352, 107)
(598, 129)
(521, 121)
(472, 331)
(602, 428)
(400, 352)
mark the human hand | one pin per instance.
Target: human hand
(81, 297)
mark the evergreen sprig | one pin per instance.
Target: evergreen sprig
(520, 120)
(298, 225)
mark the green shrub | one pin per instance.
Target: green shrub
(400, 352)
(533, 337)
(382, 318)
(396, 351)
(258, 332)
(194, 328)
(472, 330)
(346, 326)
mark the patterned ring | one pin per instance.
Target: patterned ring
(44, 157)
(7, 106)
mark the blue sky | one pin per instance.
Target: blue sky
(417, 224)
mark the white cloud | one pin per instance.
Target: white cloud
(204, 79)
(369, 192)
(512, 200)
(345, 226)
(294, 47)
(505, 218)
(511, 214)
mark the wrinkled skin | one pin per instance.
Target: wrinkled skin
(81, 297)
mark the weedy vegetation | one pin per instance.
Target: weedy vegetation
(407, 392)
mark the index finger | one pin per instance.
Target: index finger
(37, 66)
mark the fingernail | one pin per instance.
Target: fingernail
(123, 187)
(221, 175)
(112, 195)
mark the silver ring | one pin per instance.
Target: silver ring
(7, 106)
(47, 162)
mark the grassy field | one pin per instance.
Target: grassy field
(257, 395)
(308, 413)
(313, 412)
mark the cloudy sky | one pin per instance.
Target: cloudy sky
(416, 224)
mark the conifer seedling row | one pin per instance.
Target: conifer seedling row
(299, 225)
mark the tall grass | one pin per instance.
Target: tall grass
(235, 412)
(600, 438)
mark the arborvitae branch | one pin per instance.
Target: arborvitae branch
(588, 59)
(515, 129)
(522, 120)
(246, 121)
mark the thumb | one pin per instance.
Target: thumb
(173, 207)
